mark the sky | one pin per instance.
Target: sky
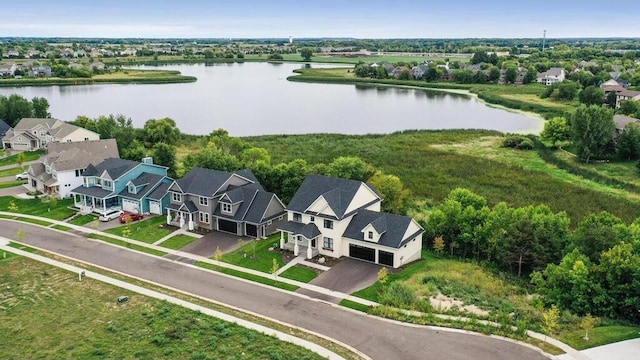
(320, 18)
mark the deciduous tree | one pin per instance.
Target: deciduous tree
(555, 130)
(592, 129)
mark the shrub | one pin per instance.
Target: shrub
(399, 295)
(520, 142)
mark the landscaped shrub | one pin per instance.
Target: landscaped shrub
(517, 142)
(399, 295)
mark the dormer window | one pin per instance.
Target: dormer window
(370, 235)
(226, 208)
(132, 189)
(107, 184)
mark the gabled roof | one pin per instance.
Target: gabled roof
(160, 191)
(622, 121)
(395, 234)
(149, 182)
(78, 155)
(113, 166)
(208, 182)
(30, 123)
(253, 206)
(338, 193)
(4, 127)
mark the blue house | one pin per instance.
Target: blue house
(118, 184)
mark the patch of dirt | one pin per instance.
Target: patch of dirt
(444, 303)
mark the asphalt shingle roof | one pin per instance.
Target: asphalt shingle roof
(337, 192)
(148, 180)
(207, 182)
(113, 166)
(310, 231)
(253, 206)
(394, 234)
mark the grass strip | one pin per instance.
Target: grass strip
(127, 245)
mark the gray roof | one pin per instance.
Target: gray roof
(160, 191)
(207, 182)
(622, 121)
(78, 155)
(337, 192)
(150, 181)
(56, 128)
(115, 167)
(94, 191)
(310, 231)
(253, 205)
(395, 227)
(189, 206)
(4, 127)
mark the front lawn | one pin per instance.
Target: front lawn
(11, 172)
(148, 230)
(39, 207)
(27, 156)
(299, 273)
(127, 245)
(256, 255)
(598, 336)
(83, 219)
(178, 241)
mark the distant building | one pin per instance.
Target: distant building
(552, 76)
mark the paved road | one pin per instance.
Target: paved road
(377, 338)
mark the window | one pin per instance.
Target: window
(107, 184)
(313, 218)
(176, 197)
(204, 217)
(204, 201)
(79, 172)
(86, 139)
(327, 244)
(226, 208)
(132, 189)
(370, 235)
(328, 224)
(297, 217)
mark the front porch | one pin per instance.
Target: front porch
(180, 218)
(88, 204)
(300, 238)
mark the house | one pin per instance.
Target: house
(4, 128)
(626, 95)
(61, 169)
(339, 217)
(234, 203)
(33, 134)
(621, 122)
(40, 71)
(397, 71)
(118, 184)
(417, 72)
(7, 70)
(551, 76)
(98, 65)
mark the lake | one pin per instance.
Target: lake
(254, 98)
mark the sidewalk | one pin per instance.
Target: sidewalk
(151, 293)
(571, 353)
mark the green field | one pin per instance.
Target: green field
(432, 163)
(256, 255)
(39, 207)
(90, 324)
(123, 76)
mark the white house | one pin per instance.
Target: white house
(33, 134)
(60, 170)
(552, 76)
(339, 217)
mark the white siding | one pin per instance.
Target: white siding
(80, 135)
(363, 196)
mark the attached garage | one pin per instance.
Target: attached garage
(154, 207)
(385, 258)
(252, 230)
(130, 205)
(228, 226)
(362, 253)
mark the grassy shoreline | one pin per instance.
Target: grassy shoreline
(120, 77)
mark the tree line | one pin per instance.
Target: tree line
(598, 269)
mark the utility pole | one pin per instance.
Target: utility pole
(544, 38)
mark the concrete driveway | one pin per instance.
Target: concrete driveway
(20, 189)
(207, 245)
(346, 276)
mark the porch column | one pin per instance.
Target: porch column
(309, 249)
(281, 239)
(168, 217)
(181, 219)
(190, 221)
(296, 247)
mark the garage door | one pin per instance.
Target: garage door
(154, 207)
(227, 226)
(385, 258)
(252, 230)
(362, 253)
(128, 205)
